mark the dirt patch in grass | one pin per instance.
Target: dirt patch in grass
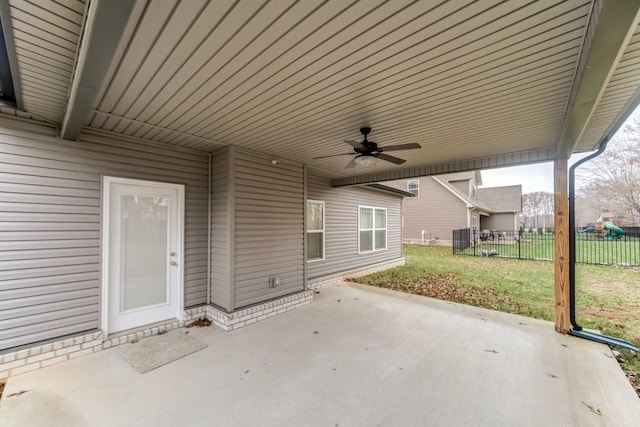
(619, 289)
(618, 313)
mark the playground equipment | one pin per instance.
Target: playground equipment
(614, 231)
(605, 222)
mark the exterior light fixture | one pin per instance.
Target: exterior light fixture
(365, 161)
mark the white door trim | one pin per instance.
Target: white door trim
(107, 181)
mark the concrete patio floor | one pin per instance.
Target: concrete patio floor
(357, 356)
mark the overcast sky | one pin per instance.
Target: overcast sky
(537, 177)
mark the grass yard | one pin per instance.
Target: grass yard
(607, 297)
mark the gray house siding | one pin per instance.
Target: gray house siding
(464, 186)
(437, 211)
(341, 226)
(50, 196)
(268, 227)
(221, 232)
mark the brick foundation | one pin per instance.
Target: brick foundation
(50, 353)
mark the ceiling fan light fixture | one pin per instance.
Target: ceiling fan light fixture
(365, 161)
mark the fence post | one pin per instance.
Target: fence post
(519, 242)
(474, 242)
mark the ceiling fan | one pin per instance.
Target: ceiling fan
(367, 152)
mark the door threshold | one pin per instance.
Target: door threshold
(146, 330)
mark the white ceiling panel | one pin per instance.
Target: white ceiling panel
(473, 82)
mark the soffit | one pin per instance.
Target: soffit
(478, 84)
(45, 36)
(621, 91)
(294, 79)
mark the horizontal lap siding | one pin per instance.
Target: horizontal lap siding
(437, 211)
(220, 230)
(341, 226)
(269, 238)
(50, 221)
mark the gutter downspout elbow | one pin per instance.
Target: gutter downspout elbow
(572, 232)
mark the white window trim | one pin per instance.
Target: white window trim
(417, 189)
(373, 230)
(324, 218)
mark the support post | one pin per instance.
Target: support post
(561, 249)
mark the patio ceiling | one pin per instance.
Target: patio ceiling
(477, 84)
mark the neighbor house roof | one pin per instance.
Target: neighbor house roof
(502, 199)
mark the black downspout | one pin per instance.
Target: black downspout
(572, 233)
(576, 329)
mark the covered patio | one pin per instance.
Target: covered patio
(356, 356)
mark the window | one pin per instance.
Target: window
(315, 230)
(413, 187)
(372, 229)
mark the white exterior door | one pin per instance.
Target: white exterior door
(142, 253)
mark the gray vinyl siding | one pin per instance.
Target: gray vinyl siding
(464, 186)
(50, 220)
(341, 226)
(221, 232)
(268, 228)
(437, 211)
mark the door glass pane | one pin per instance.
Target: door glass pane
(144, 251)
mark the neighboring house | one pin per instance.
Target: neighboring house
(506, 205)
(443, 203)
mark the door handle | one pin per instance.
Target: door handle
(173, 263)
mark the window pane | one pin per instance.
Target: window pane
(366, 218)
(314, 245)
(366, 241)
(315, 216)
(381, 218)
(381, 239)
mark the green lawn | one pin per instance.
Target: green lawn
(607, 297)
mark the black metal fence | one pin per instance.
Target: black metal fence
(591, 247)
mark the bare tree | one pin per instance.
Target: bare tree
(611, 181)
(537, 207)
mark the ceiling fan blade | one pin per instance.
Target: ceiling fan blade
(396, 160)
(333, 155)
(355, 144)
(352, 164)
(410, 146)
